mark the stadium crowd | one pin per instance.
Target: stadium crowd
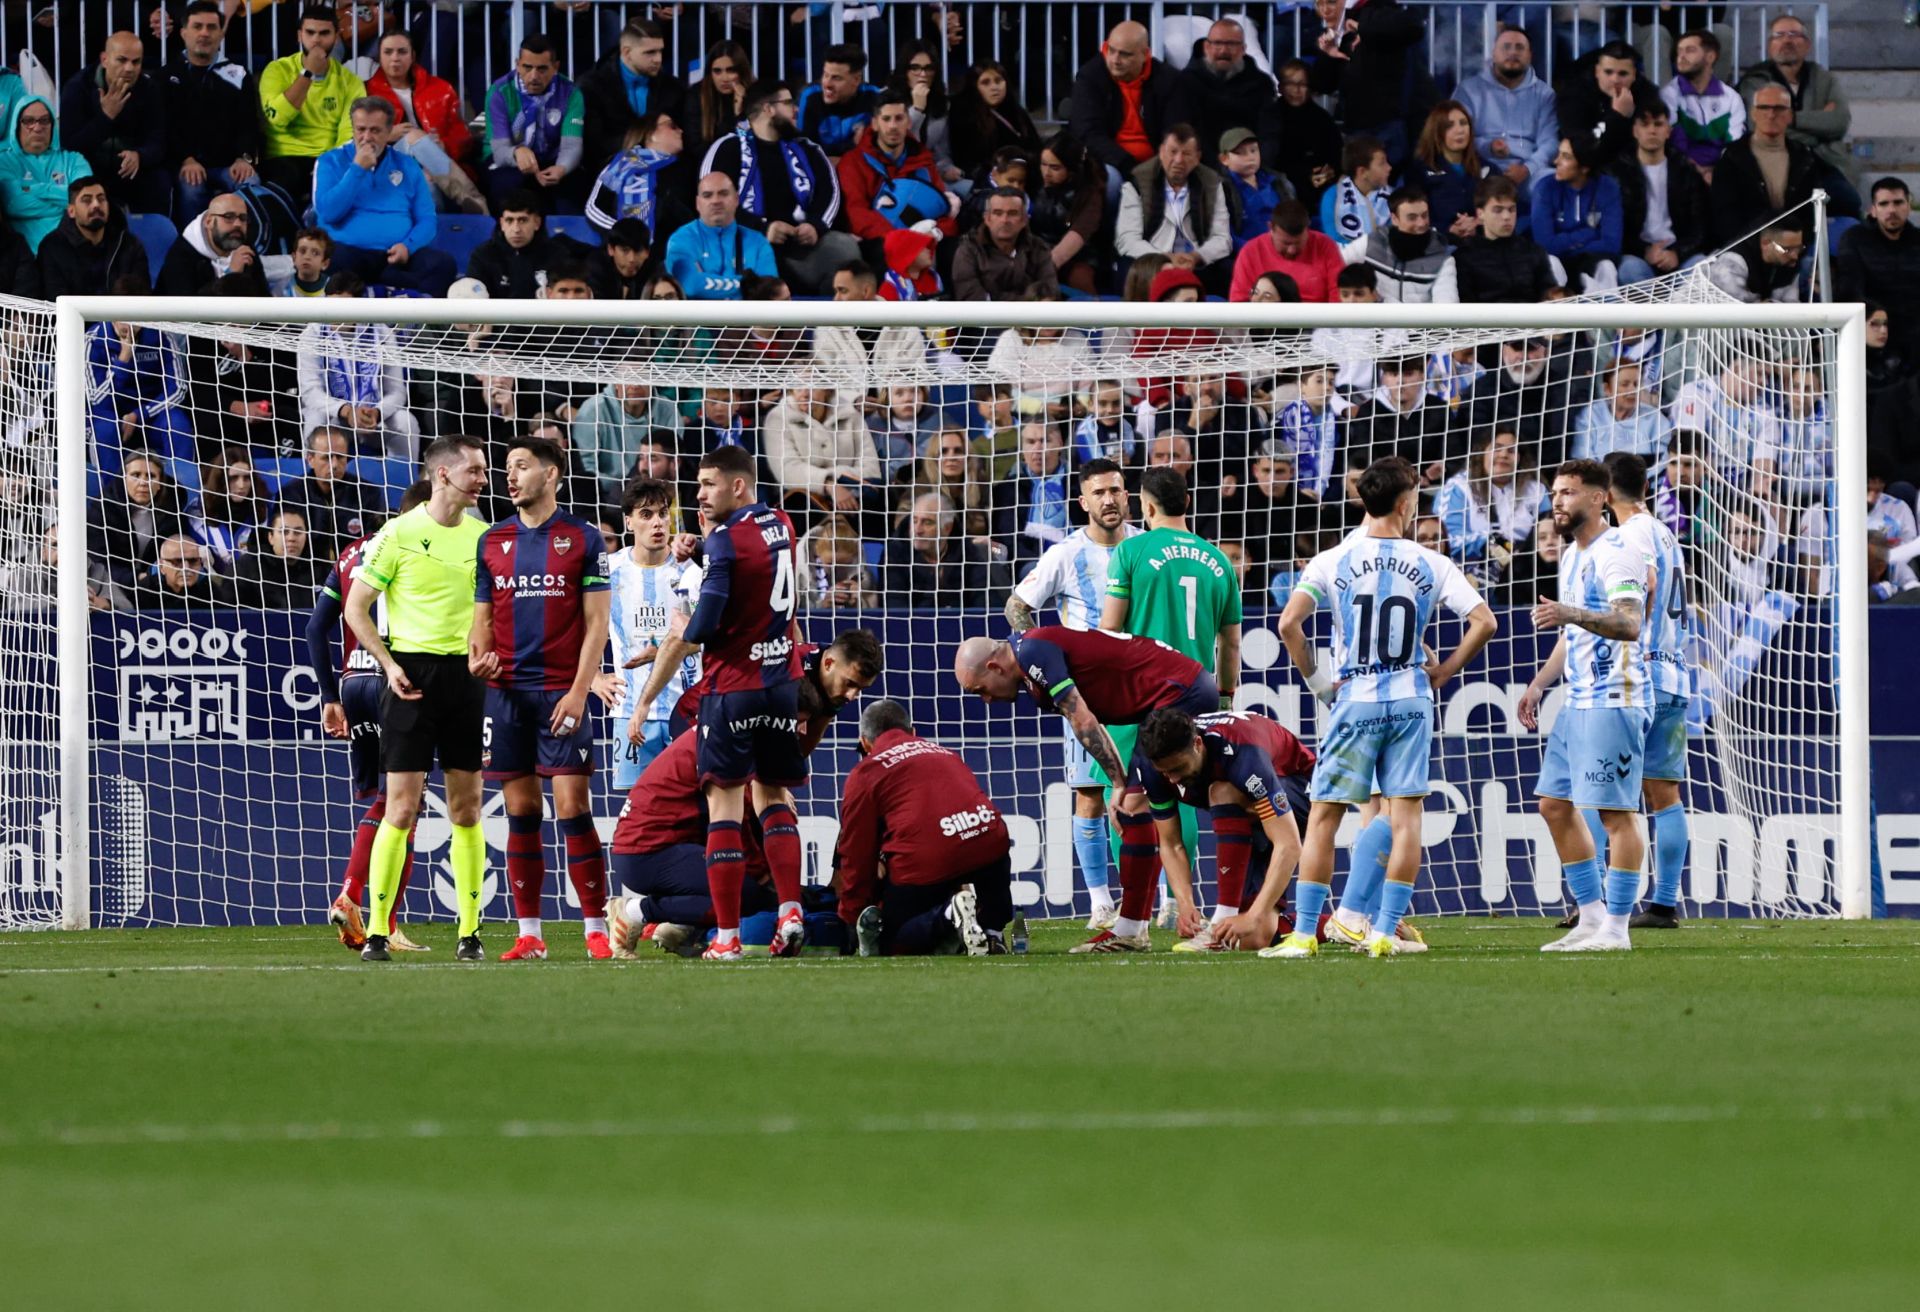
(340, 165)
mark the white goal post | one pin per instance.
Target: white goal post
(1232, 333)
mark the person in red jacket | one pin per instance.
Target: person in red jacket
(1312, 259)
(923, 860)
(427, 123)
(890, 181)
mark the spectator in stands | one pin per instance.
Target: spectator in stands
(823, 458)
(91, 250)
(1367, 58)
(1411, 264)
(1499, 264)
(214, 134)
(949, 467)
(136, 391)
(1067, 211)
(1356, 204)
(1707, 114)
(1311, 260)
(909, 273)
(242, 394)
(1516, 123)
(859, 349)
(1122, 105)
(513, 262)
(725, 418)
(312, 263)
(834, 110)
(114, 113)
(787, 188)
(1041, 363)
(307, 98)
(285, 575)
(986, 119)
(1398, 419)
(1176, 206)
(535, 118)
(180, 579)
(1578, 218)
(131, 517)
(1764, 267)
(1765, 174)
(213, 245)
(646, 183)
(1530, 391)
(349, 377)
(1253, 193)
(1223, 89)
(1002, 260)
(629, 84)
(834, 567)
(936, 565)
(1600, 101)
(1447, 166)
(612, 423)
(718, 101)
(377, 205)
(1880, 258)
(891, 181)
(1032, 511)
(1821, 115)
(336, 508)
(1306, 141)
(622, 263)
(708, 258)
(1488, 510)
(1262, 514)
(1308, 432)
(35, 173)
(1663, 195)
(19, 271)
(1621, 420)
(228, 510)
(427, 123)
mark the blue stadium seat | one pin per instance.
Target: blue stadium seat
(459, 234)
(275, 472)
(157, 233)
(575, 226)
(873, 552)
(392, 477)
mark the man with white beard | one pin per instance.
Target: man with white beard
(1531, 393)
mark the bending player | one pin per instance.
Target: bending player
(1596, 752)
(423, 563)
(916, 809)
(1070, 577)
(1244, 769)
(350, 710)
(1095, 679)
(749, 714)
(1383, 590)
(540, 618)
(648, 608)
(659, 846)
(1174, 586)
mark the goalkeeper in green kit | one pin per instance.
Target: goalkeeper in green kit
(1176, 587)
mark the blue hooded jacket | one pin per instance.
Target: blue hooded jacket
(33, 188)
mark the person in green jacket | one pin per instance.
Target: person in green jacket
(35, 172)
(307, 99)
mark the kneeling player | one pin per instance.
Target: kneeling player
(540, 617)
(914, 808)
(1251, 775)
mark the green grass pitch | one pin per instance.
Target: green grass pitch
(1729, 1117)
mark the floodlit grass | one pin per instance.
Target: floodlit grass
(1729, 1117)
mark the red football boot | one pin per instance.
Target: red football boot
(527, 948)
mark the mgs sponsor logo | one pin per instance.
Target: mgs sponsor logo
(1604, 771)
(966, 824)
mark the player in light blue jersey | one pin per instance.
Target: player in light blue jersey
(1663, 640)
(648, 607)
(1383, 591)
(1071, 577)
(1595, 755)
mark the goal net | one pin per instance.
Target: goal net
(216, 455)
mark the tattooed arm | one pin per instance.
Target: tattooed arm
(1019, 614)
(1092, 735)
(1620, 622)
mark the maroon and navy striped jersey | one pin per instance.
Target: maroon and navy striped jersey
(536, 580)
(743, 620)
(354, 663)
(1122, 679)
(1246, 750)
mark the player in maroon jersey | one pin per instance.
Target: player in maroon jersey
(540, 618)
(350, 710)
(1252, 776)
(1094, 679)
(743, 623)
(916, 808)
(659, 847)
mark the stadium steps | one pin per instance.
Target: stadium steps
(1886, 130)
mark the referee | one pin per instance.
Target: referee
(423, 564)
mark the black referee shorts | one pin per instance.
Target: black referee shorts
(444, 722)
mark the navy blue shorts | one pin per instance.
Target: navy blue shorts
(360, 698)
(752, 735)
(1202, 697)
(517, 741)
